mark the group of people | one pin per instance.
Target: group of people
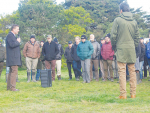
(121, 50)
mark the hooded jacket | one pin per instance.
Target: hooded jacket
(125, 37)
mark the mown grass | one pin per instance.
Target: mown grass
(71, 97)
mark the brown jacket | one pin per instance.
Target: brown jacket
(32, 51)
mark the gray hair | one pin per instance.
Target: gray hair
(92, 35)
(78, 37)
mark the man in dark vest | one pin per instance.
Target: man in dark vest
(13, 59)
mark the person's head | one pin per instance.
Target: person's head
(102, 40)
(83, 38)
(124, 7)
(55, 40)
(92, 37)
(70, 44)
(142, 40)
(32, 38)
(49, 38)
(107, 39)
(15, 29)
(77, 40)
(42, 43)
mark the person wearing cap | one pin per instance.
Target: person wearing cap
(49, 51)
(124, 39)
(31, 52)
(58, 58)
(84, 51)
(40, 64)
(2, 57)
(107, 55)
(69, 59)
(13, 59)
(94, 58)
(141, 57)
(76, 60)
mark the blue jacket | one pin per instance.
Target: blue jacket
(85, 50)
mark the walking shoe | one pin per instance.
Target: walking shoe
(133, 96)
(112, 79)
(122, 97)
(83, 82)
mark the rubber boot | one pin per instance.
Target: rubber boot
(6, 77)
(33, 77)
(28, 76)
(138, 78)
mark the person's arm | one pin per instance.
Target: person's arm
(137, 36)
(25, 50)
(91, 49)
(13, 43)
(114, 33)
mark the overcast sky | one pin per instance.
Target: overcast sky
(8, 6)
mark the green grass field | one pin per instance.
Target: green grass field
(71, 97)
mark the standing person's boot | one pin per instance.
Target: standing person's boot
(6, 77)
(112, 79)
(28, 76)
(33, 77)
(138, 78)
(59, 77)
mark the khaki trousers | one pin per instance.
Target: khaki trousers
(11, 82)
(31, 64)
(58, 67)
(95, 63)
(122, 78)
(108, 64)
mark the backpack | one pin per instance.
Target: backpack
(148, 50)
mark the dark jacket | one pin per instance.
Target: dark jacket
(85, 50)
(74, 52)
(107, 52)
(61, 52)
(141, 56)
(68, 54)
(50, 50)
(2, 53)
(96, 52)
(138, 50)
(12, 51)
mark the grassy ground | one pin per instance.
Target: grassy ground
(71, 97)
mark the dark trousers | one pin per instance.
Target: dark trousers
(69, 69)
(1, 67)
(77, 68)
(145, 64)
(11, 82)
(51, 64)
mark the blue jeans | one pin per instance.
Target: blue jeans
(38, 74)
(141, 71)
(7, 70)
(77, 68)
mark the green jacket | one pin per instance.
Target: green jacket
(125, 37)
(85, 50)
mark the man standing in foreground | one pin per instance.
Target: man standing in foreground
(13, 59)
(124, 38)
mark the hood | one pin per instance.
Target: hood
(127, 16)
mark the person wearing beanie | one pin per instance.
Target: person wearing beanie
(84, 51)
(49, 51)
(58, 58)
(2, 57)
(31, 52)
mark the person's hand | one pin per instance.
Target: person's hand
(19, 40)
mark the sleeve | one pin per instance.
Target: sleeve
(137, 37)
(98, 49)
(114, 34)
(13, 43)
(91, 49)
(25, 50)
(65, 53)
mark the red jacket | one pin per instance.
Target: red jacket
(107, 52)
